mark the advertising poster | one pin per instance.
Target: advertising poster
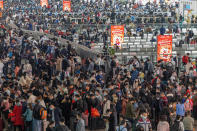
(1, 4)
(44, 3)
(117, 35)
(164, 47)
(66, 6)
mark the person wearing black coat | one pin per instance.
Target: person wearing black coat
(54, 114)
(32, 62)
(65, 64)
(92, 103)
(78, 104)
(66, 109)
(112, 120)
(155, 109)
(166, 75)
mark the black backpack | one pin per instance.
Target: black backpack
(176, 126)
(119, 106)
(85, 105)
(39, 112)
(113, 64)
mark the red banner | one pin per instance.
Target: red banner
(67, 6)
(117, 35)
(1, 5)
(164, 47)
(44, 3)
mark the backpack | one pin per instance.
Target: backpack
(175, 126)
(39, 112)
(113, 64)
(85, 105)
(119, 106)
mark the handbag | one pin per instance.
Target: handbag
(95, 112)
(13, 119)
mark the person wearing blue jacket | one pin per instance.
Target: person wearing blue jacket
(134, 74)
(180, 109)
(28, 116)
(162, 30)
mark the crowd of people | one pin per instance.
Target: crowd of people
(47, 86)
(30, 15)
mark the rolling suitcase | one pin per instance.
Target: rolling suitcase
(100, 123)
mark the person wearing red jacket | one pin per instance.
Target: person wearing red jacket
(17, 119)
(185, 59)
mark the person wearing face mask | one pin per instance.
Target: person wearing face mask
(28, 118)
(187, 105)
(98, 96)
(78, 104)
(170, 107)
(50, 113)
(17, 118)
(106, 106)
(144, 122)
(54, 114)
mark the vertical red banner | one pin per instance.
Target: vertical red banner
(164, 47)
(117, 35)
(44, 3)
(1, 4)
(67, 5)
